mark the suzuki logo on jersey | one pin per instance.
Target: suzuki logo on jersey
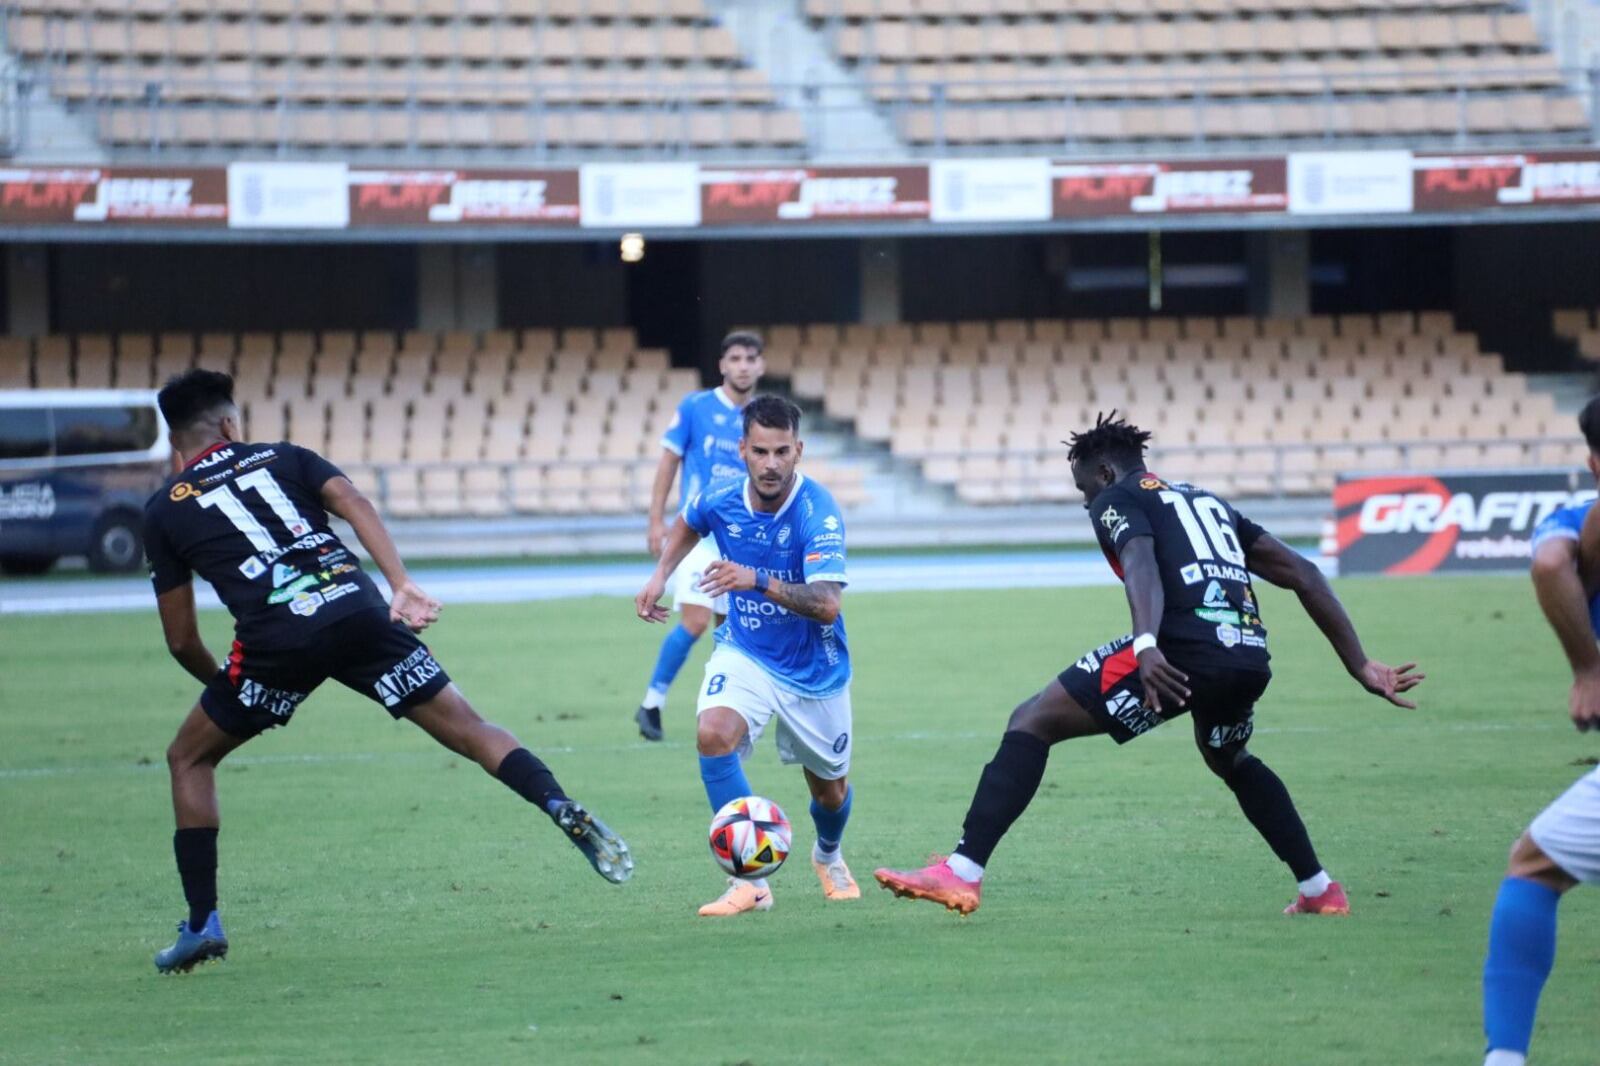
(406, 677)
(830, 523)
(1432, 512)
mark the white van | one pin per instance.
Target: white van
(76, 467)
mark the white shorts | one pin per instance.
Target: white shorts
(1569, 829)
(814, 733)
(686, 579)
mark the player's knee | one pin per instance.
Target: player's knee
(1028, 718)
(1228, 764)
(712, 741)
(1529, 862)
(831, 794)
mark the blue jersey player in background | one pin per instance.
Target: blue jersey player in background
(1561, 847)
(782, 652)
(704, 440)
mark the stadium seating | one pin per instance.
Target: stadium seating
(994, 72)
(552, 75)
(1251, 406)
(454, 423)
(1580, 326)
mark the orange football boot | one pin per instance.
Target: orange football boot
(741, 896)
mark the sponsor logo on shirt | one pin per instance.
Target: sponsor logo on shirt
(293, 589)
(252, 568)
(1191, 574)
(830, 523)
(306, 604)
(1228, 635)
(406, 677)
(182, 491)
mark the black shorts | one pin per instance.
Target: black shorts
(383, 660)
(1106, 683)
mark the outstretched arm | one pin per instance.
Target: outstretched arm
(182, 630)
(1274, 561)
(681, 540)
(1559, 587)
(1147, 600)
(407, 602)
(666, 470)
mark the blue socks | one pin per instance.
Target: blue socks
(674, 652)
(723, 776)
(830, 824)
(1522, 948)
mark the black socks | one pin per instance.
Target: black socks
(527, 776)
(196, 851)
(1265, 801)
(1004, 791)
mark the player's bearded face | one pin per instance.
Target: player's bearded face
(770, 456)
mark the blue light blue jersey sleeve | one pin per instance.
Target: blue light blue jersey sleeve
(824, 543)
(695, 515)
(1565, 524)
(679, 432)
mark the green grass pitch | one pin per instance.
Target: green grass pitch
(388, 903)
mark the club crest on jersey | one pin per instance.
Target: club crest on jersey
(182, 491)
(1151, 484)
(783, 536)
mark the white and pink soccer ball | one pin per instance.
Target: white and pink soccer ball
(750, 837)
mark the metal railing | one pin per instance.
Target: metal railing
(526, 114)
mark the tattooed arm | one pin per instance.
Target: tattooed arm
(818, 601)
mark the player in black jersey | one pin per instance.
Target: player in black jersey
(1186, 558)
(252, 519)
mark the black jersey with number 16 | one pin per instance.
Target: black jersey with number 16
(249, 519)
(1210, 614)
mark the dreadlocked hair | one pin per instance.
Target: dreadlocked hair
(1111, 438)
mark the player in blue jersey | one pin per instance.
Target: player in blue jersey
(782, 653)
(252, 519)
(704, 440)
(1561, 847)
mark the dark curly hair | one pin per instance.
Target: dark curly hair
(1112, 439)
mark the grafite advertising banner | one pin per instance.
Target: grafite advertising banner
(1350, 183)
(1189, 186)
(1464, 182)
(1427, 523)
(733, 195)
(399, 196)
(288, 196)
(113, 195)
(989, 190)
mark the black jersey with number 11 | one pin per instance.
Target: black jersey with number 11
(1210, 614)
(249, 519)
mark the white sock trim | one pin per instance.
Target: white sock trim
(1316, 885)
(654, 699)
(964, 868)
(826, 857)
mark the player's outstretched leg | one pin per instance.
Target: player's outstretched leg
(675, 648)
(1005, 789)
(719, 734)
(450, 720)
(1265, 801)
(830, 811)
(192, 760)
(1522, 947)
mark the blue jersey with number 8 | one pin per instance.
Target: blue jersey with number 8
(802, 543)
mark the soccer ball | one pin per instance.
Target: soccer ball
(750, 837)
